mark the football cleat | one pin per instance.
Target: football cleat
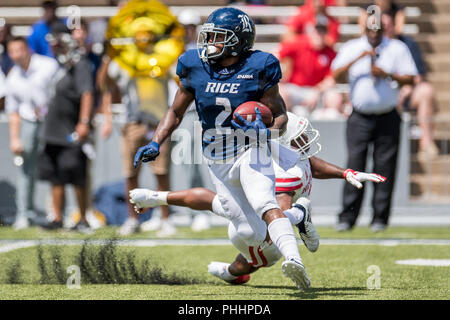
(130, 226)
(167, 229)
(296, 271)
(308, 232)
(219, 270)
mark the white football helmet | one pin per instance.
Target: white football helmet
(301, 136)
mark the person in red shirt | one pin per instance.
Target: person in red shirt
(308, 15)
(307, 77)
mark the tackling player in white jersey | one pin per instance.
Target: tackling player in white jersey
(293, 185)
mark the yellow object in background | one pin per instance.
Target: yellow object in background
(145, 38)
(95, 218)
(153, 95)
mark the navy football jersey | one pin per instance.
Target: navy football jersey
(218, 91)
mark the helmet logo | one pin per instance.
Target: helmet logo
(245, 20)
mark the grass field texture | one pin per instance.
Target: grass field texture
(336, 271)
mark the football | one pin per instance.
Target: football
(247, 111)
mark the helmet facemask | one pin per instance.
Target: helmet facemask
(206, 47)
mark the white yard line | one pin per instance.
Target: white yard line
(426, 262)
(18, 244)
(10, 245)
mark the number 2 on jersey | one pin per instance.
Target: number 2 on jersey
(221, 117)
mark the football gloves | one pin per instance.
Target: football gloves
(257, 125)
(356, 178)
(146, 153)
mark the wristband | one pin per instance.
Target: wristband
(347, 171)
(155, 144)
(84, 121)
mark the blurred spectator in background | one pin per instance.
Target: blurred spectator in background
(307, 78)
(194, 174)
(66, 128)
(2, 90)
(5, 61)
(135, 133)
(313, 12)
(388, 6)
(26, 105)
(37, 39)
(420, 96)
(90, 50)
(140, 73)
(376, 67)
(85, 46)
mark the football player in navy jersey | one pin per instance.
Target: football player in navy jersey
(220, 75)
(291, 185)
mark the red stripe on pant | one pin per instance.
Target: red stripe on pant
(284, 189)
(254, 260)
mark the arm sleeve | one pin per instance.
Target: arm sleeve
(2, 85)
(286, 49)
(404, 62)
(272, 73)
(11, 102)
(297, 21)
(341, 59)
(183, 74)
(84, 81)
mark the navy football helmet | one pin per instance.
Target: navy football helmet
(228, 26)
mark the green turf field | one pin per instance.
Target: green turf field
(221, 232)
(336, 271)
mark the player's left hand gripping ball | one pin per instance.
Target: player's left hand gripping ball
(257, 125)
(146, 153)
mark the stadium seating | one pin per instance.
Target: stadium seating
(427, 21)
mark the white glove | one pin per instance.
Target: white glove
(355, 177)
(145, 198)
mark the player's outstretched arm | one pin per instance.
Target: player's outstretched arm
(324, 170)
(166, 126)
(272, 99)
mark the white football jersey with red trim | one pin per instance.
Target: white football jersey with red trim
(297, 179)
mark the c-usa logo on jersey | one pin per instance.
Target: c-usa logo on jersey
(245, 20)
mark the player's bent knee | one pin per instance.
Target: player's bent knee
(265, 206)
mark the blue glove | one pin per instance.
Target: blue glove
(257, 125)
(146, 153)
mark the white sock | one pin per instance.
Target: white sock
(220, 269)
(295, 215)
(227, 275)
(283, 236)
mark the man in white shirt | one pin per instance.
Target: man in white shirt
(26, 105)
(2, 90)
(376, 67)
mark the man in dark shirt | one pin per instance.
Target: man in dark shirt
(420, 96)
(66, 128)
